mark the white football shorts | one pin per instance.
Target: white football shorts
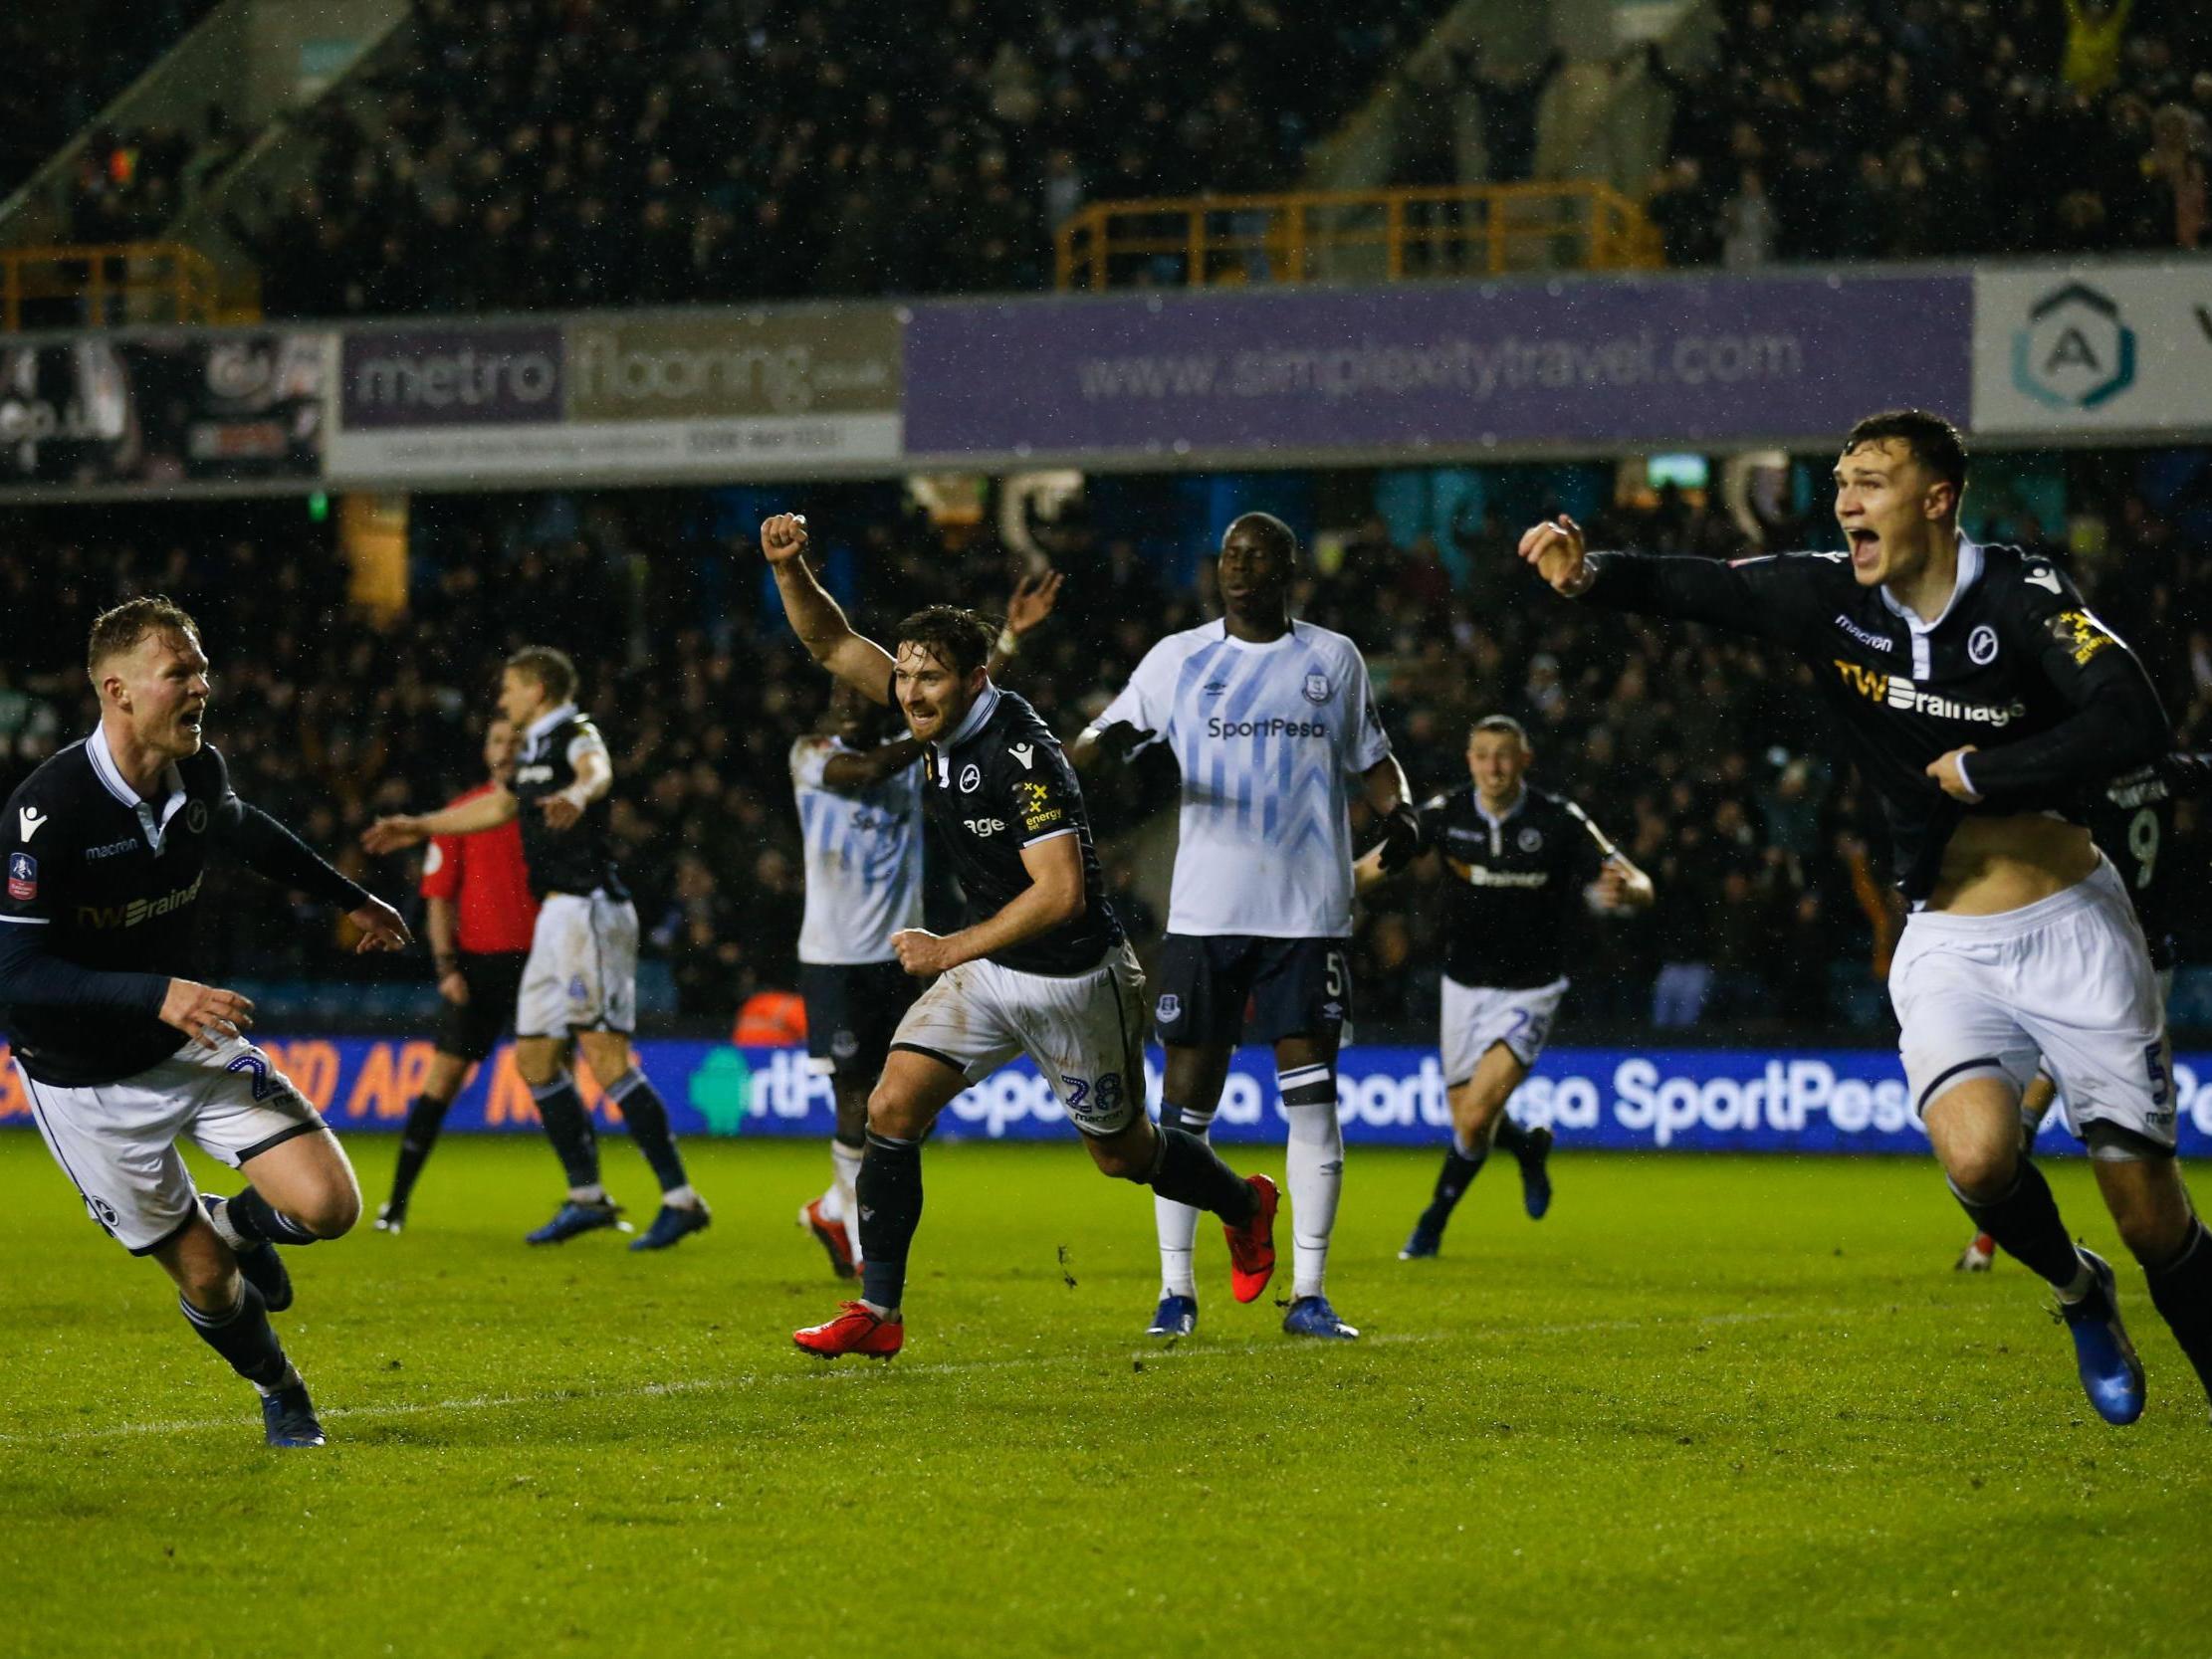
(117, 1140)
(1086, 1032)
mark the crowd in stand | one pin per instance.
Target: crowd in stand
(1931, 129)
(1698, 753)
(538, 153)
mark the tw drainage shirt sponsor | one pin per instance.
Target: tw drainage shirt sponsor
(1268, 739)
(2015, 665)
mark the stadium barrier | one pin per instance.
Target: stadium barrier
(1706, 1099)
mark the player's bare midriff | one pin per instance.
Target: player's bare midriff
(1994, 865)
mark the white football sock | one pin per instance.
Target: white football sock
(1177, 1224)
(1316, 1175)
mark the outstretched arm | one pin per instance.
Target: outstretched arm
(406, 829)
(269, 850)
(1766, 596)
(816, 618)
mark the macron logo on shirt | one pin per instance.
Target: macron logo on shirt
(28, 819)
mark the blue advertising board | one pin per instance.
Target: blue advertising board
(1810, 1100)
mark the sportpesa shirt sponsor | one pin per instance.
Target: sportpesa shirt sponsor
(863, 859)
(1002, 783)
(1269, 738)
(2015, 665)
(577, 859)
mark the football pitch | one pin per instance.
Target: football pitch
(1708, 1407)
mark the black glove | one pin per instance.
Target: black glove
(2185, 774)
(1121, 740)
(1402, 837)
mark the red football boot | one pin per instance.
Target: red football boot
(1252, 1247)
(854, 1330)
(831, 1236)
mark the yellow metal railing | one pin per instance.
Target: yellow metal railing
(105, 286)
(1355, 236)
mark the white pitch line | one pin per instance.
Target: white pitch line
(1163, 1355)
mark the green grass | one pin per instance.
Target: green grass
(1710, 1406)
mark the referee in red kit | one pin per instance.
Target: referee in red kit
(480, 919)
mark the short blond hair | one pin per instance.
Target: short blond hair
(121, 627)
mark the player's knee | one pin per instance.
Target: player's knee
(1123, 1159)
(210, 1284)
(1982, 1170)
(892, 1114)
(333, 1211)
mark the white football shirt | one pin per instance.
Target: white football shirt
(1269, 738)
(863, 860)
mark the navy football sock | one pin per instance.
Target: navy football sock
(243, 1336)
(890, 1191)
(257, 1221)
(425, 1117)
(1511, 1138)
(645, 1114)
(2181, 1291)
(2024, 1223)
(1452, 1181)
(568, 1127)
(1188, 1170)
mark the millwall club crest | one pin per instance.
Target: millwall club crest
(1168, 1009)
(195, 817)
(1317, 688)
(971, 780)
(1530, 839)
(1981, 646)
(844, 1045)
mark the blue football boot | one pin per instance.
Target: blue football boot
(288, 1418)
(1177, 1315)
(1423, 1242)
(574, 1218)
(675, 1221)
(1535, 1174)
(263, 1267)
(2112, 1375)
(1311, 1316)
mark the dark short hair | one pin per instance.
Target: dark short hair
(550, 668)
(121, 627)
(1933, 441)
(1498, 723)
(1269, 526)
(959, 639)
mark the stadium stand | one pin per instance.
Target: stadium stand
(63, 63)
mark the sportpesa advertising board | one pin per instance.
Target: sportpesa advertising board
(1828, 1101)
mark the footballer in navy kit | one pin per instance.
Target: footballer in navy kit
(122, 1054)
(1517, 861)
(2131, 822)
(580, 983)
(1986, 706)
(1040, 967)
(857, 786)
